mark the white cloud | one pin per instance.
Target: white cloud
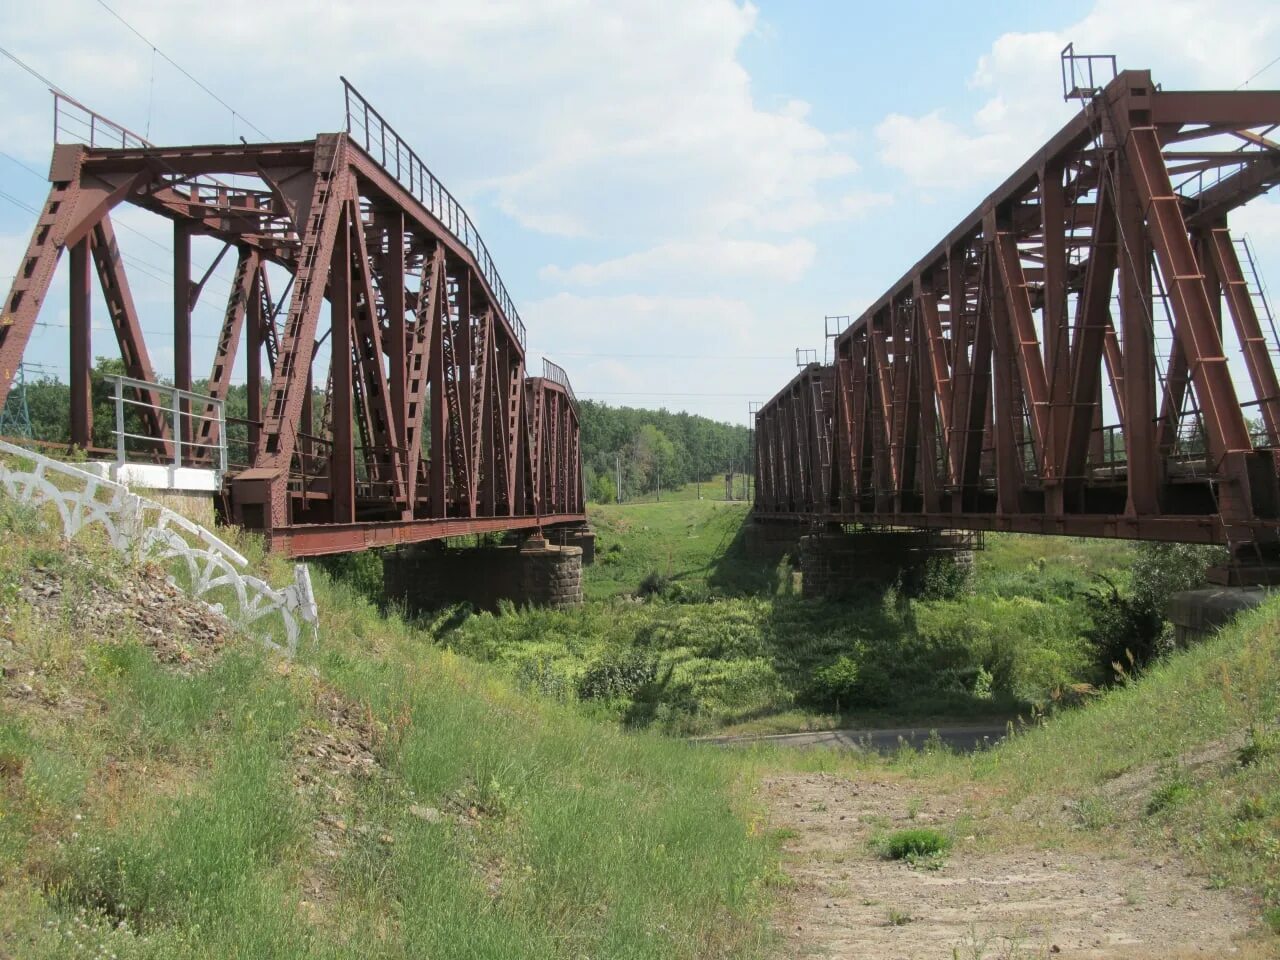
(692, 259)
(631, 118)
(711, 354)
(1185, 43)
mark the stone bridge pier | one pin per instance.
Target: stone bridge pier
(534, 571)
(835, 564)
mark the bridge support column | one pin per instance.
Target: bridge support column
(431, 575)
(835, 565)
(578, 535)
(771, 540)
(1198, 614)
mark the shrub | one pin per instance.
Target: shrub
(653, 584)
(1130, 626)
(835, 683)
(944, 579)
(915, 844)
(618, 675)
(1259, 745)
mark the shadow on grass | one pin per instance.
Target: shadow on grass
(735, 570)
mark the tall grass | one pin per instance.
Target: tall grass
(150, 813)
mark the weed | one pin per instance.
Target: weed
(1259, 745)
(899, 918)
(1173, 792)
(914, 845)
(654, 583)
(1271, 917)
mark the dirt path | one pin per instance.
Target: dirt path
(961, 738)
(849, 903)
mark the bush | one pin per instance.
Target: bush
(653, 584)
(945, 579)
(1130, 626)
(618, 675)
(846, 684)
(916, 844)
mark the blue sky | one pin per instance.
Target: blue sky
(676, 191)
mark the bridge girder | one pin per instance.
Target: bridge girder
(432, 424)
(971, 394)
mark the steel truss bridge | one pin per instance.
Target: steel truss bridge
(1056, 363)
(431, 425)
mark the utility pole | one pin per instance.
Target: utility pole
(618, 458)
(659, 484)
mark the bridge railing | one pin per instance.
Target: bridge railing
(173, 408)
(73, 122)
(379, 139)
(556, 374)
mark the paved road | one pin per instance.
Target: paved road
(963, 739)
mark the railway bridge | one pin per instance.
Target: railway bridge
(395, 404)
(1059, 363)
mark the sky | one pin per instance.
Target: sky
(676, 192)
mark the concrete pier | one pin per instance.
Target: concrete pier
(432, 575)
(836, 564)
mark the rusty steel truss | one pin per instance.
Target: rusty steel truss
(431, 425)
(1056, 363)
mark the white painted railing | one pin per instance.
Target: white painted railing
(144, 529)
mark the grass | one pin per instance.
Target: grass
(1182, 755)
(687, 541)
(719, 641)
(221, 811)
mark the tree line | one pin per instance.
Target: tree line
(652, 447)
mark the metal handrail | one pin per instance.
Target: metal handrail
(386, 147)
(173, 408)
(1078, 80)
(82, 125)
(556, 374)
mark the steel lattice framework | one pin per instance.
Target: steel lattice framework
(974, 393)
(431, 425)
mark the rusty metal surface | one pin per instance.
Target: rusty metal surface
(432, 425)
(971, 394)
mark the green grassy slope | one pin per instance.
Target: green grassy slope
(682, 538)
(1188, 753)
(721, 641)
(376, 798)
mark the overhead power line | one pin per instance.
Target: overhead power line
(1259, 73)
(33, 71)
(183, 70)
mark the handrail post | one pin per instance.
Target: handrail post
(177, 427)
(119, 424)
(222, 437)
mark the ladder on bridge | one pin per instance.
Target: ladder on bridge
(1257, 290)
(822, 401)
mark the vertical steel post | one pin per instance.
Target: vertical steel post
(81, 347)
(182, 289)
(253, 360)
(119, 423)
(178, 436)
(342, 453)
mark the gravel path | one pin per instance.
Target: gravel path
(849, 903)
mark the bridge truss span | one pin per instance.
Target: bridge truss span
(395, 403)
(1058, 362)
